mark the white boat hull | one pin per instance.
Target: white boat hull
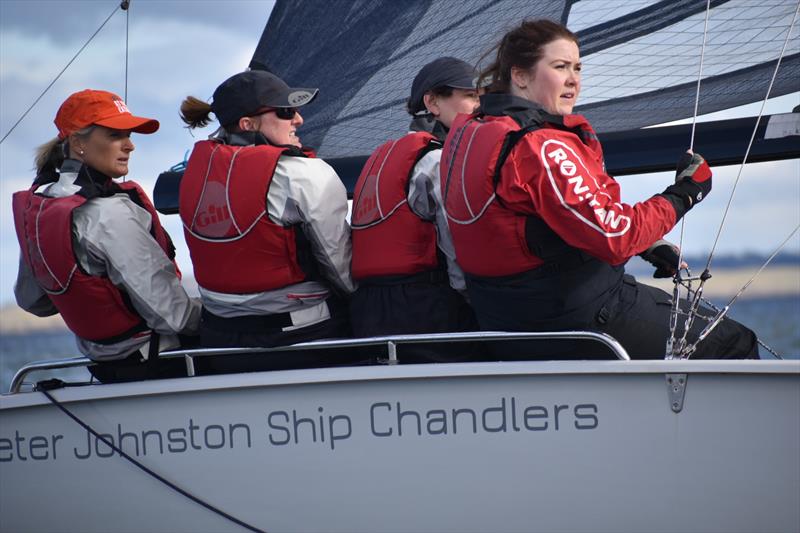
(529, 446)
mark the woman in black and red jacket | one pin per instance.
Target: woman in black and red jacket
(540, 229)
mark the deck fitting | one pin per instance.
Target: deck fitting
(676, 389)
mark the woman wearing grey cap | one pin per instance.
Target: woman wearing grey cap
(264, 220)
(403, 257)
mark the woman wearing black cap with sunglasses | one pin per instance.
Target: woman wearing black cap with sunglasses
(264, 220)
(403, 256)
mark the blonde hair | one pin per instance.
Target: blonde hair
(195, 113)
(50, 155)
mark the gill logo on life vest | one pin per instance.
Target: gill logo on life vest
(367, 210)
(213, 217)
(572, 181)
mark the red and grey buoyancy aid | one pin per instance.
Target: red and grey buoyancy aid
(235, 247)
(491, 240)
(92, 307)
(388, 238)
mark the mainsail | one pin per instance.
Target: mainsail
(640, 57)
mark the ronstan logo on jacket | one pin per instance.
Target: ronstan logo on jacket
(574, 184)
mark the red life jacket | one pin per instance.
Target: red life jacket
(235, 247)
(388, 238)
(92, 307)
(489, 239)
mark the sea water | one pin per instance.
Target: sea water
(776, 320)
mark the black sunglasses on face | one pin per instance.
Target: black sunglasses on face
(283, 113)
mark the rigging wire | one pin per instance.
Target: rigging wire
(59, 75)
(708, 303)
(683, 349)
(721, 314)
(125, 5)
(147, 470)
(700, 75)
(753, 135)
(676, 292)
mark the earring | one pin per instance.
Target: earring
(81, 152)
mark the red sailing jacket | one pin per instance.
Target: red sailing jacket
(388, 238)
(552, 174)
(92, 307)
(235, 247)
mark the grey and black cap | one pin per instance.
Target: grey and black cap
(246, 93)
(443, 72)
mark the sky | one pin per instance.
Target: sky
(187, 47)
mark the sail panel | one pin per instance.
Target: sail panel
(584, 14)
(716, 93)
(741, 35)
(641, 57)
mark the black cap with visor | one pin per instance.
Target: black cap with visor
(443, 72)
(247, 93)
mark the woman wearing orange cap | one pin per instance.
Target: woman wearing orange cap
(93, 249)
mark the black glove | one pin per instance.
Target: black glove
(692, 184)
(664, 256)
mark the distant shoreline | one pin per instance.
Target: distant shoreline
(775, 281)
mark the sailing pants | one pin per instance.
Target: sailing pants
(267, 331)
(417, 303)
(638, 317)
(634, 314)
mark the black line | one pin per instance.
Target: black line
(58, 76)
(139, 465)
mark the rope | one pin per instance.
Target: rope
(148, 471)
(58, 76)
(676, 292)
(682, 347)
(753, 136)
(700, 75)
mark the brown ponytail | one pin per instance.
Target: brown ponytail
(521, 47)
(195, 112)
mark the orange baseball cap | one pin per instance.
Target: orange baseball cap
(103, 108)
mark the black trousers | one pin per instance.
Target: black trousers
(133, 368)
(422, 303)
(634, 314)
(638, 317)
(219, 332)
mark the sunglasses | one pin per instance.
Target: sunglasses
(283, 113)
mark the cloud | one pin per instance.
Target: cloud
(764, 209)
(176, 49)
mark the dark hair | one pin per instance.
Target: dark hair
(195, 112)
(521, 47)
(442, 90)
